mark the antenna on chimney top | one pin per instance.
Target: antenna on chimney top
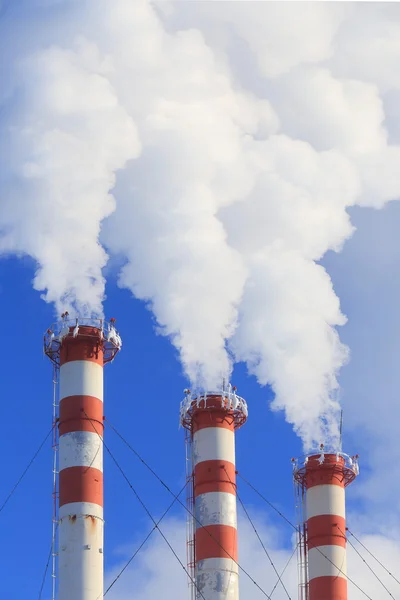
(341, 431)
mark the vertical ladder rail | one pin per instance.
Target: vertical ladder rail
(302, 562)
(190, 525)
(54, 553)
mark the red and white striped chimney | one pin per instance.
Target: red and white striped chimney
(212, 419)
(80, 352)
(324, 477)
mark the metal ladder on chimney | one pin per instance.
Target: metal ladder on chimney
(190, 521)
(302, 560)
(54, 550)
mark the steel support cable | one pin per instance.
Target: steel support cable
(268, 502)
(284, 569)
(46, 568)
(144, 542)
(45, 572)
(258, 536)
(26, 470)
(365, 562)
(144, 505)
(297, 531)
(187, 510)
(373, 556)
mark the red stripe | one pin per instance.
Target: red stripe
(328, 588)
(86, 346)
(330, 472)
(326, 530)
(81, 484)
(214, 476)
(216, 541)
(81, 413)
(213, 415)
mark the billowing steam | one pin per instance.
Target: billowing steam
(215, 146)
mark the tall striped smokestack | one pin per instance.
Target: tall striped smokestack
(211, 420)
(324, 477)
(80, 352)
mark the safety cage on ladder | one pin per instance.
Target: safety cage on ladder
(301, 540)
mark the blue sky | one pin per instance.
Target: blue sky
(143, 390)
(218, 158)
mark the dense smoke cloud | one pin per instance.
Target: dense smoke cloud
(236, 136)
(62, 143)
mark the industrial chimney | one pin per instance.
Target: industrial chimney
(79, 350)
(320, 481)
(210, 420)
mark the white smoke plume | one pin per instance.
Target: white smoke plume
(237, 134)
(63, 135)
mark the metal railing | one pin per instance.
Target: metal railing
(347, 465)
(228, 399)
(103, 332)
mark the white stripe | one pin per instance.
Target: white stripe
(320, 562)
(81, 449)
(81, 378)
(218, 564)
(216, 508)
(80, 559)
(81, 508)
(217, 579)
(325, 500)
(214, 443)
